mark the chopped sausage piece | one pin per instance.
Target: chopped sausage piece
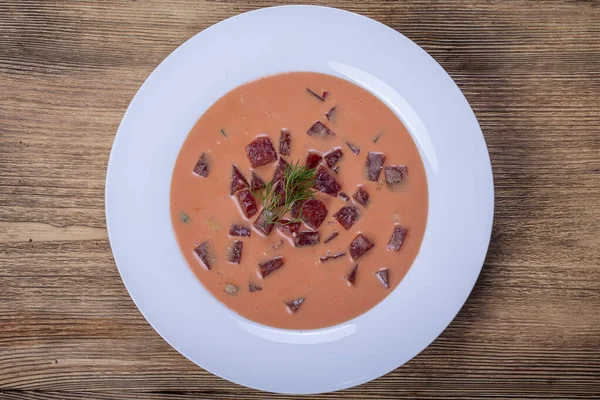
(306, 239)
(257, 183)
(395, 174)
(326, 183)
(359, 246)
(239, 230)
(235, 252)
(332, 256)
(347, 216)
(285, 141)
(202, 168)
(279, 191)
(312, 212)
(261, 152)
(282, 165)
(230, 289)
(397, 238)
(288, 227)
(265, 268)
(205, 255)
(294, 304)
(374, 165)
(262, 224)
(322, 98)
(238, 182)
(351, 277)
(254, 287)
(333, 157)
(361, 196)
(313, 159)
(331, 237)
(384, 277)
(247, 203)
(343, 196)
(354, 148)
(330, 115)
(319, 130)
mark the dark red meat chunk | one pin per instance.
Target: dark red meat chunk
(306, 239)
(261, 223)
(313, 159)
(239, 230)
(312, 212)
(359, 246)
(294, 304)
(361, 196)
(330, 115)
(238, 182)
(282, 165)
(205, 255)
(347, 216)
(384, 277)
(247, 203)
(354, 148)
(333, 157)
(254, 287)
(374, 165)
(285, 141)
(235, 252)
(261, 152)
(288, 227)
(265, 268)
(202, 167)
(397, 238)
(395, 174)
(343, 196)
(326, 183)
(331, 237)
(351, 277)
(257, 183)
(319, 130)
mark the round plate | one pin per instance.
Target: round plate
(270, 41)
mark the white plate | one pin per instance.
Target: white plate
(265, 42)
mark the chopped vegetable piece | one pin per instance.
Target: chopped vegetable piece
(312, 212)
(261, 151)
(322, 98)
(205, 255)
(331, 237)
(351, 277)
(285, 142)
(377, 137)
(332, 256)
(238, 182)
(333, 157)
(184, 217)
(343, 196)
(313, 159)
(354, 148)
(239, 230)
(361, 196)
(384, 277)
(347, 216)
(235, 252)
(257, 183)
(318, 130)
(230, 289)
(397, 238)
(262, 223)
(306, 239)
(395, 174)
(374, 165)
(288, 227)
(282, 165)
(254, 287)
(267, 267)
(247, 203)
(223, 133)
(359, 246)
(330, 115)
(326, 183)
(294, 304)
(202, 167)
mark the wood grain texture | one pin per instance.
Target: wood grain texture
(531, 328)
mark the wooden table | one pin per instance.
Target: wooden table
(531, 328)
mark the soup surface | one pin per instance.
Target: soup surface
(292, 277)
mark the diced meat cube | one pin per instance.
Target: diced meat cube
(202, 167)
(395, 174)
(285, 141)
(326, 183)
(343, 196)
(235, 252)
(262, 223)
(239, 230)
(333, 157)
(294, 304)
(384, 277)
(205, 255)
(351, 277)
(319, 130)
(257, 183)
(347, 216)
(261, 152)
(254, 287)
(330, 115)
(361, 196)
(374, 165)
(282, 165)
(287, 227)
(230, 289)
(265, 268)
(359, 246)
(238, 182)
(331, 237)
(279, 191)
(354, 148)
(312, 212)
(313, 159)
(397, 238)
(247, 203)
(306, 239)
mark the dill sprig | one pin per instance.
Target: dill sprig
(298, 184)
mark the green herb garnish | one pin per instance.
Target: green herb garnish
(184, 217)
